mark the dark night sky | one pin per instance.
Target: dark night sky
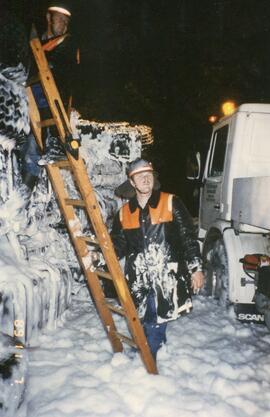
(167, 63)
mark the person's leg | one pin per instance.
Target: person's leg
(53, 150)
(30, 155)
(156, 336)
(154, 332)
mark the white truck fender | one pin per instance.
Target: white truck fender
(241, 287)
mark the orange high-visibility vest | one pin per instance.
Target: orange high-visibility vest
(54, 42)
(160, 214)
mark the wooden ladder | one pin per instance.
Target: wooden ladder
(89, 203)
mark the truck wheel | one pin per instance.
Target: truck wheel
(216, 272)
(267, 318)
(262, 303)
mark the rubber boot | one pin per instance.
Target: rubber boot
(29, 180)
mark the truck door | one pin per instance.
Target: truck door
(210, 199)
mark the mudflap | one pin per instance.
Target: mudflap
(248, 313)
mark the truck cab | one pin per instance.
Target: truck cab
(240, 147)
(238, 155)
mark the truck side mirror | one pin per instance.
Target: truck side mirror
(193, 166)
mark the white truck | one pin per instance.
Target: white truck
(234, 213)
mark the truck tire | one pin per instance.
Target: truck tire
(263, 306)
(216, 271)
(267, 318)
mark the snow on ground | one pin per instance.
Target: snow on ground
(211, 366)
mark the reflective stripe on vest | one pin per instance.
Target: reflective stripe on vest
(160, 214)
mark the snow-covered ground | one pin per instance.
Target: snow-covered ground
(211, 366)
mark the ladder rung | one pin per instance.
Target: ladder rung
(126, 339)
(116, 308)
(73, 202)
(103, 274)
(64, 163)
(46, 123)
(89, 239)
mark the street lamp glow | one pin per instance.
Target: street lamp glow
(228, 108)
(212, 118)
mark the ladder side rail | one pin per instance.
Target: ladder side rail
(70, 219)
(94, 214)
(49, 88)
(83, 256)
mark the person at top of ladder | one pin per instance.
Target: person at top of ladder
(154, 232)
(63, 57)
(60, 49)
